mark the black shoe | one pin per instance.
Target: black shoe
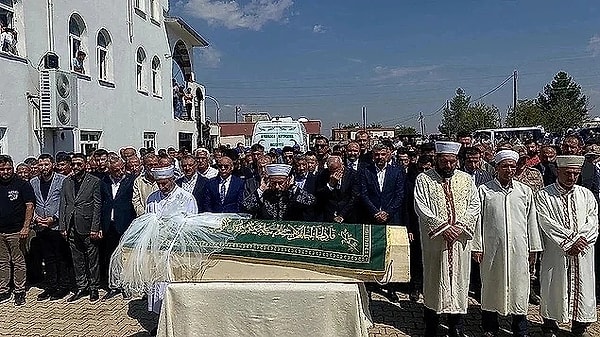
(78, 295)
(59, 295)
(393, 297)
(110, 294)
(153, 332)
(20, 298)
(94, 296)
(126, 295)
(457, 333)
(534, 299)
(414, 296)
(4, 297)
(46, 294)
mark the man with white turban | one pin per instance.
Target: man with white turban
(568, 219)
(507, 237)
(277, 197)
(447, 205)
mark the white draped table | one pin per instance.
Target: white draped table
(264, 309)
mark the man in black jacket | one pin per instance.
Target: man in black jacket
(338, 193)
(79, 222)
(117, 214)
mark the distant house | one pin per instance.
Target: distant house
(339, 135)
(86, 75)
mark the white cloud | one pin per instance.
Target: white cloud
(384, 73)
(210, 57)
(594, 45)
(354, 60)
(319, 29)
(232, 14)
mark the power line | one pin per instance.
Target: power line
(493, 90)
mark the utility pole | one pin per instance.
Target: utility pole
(421, 123)
(238, 109)
(515, 92)
(364, 117)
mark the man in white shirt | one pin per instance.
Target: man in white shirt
(203, 160)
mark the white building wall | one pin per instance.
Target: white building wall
(121, 112)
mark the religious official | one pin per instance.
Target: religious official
(507, 238)
(277, 197)
(447, 204)
(568, 219)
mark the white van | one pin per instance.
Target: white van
(280, 132)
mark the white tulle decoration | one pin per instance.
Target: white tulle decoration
(158, 245)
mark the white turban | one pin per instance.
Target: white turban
(447, 147)
(163, 172)
(506, 154)
(282, 170)
(570, 161)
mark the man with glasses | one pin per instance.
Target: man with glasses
(224, 193)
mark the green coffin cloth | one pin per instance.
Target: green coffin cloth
(357, 247)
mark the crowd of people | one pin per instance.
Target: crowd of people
(511, 224)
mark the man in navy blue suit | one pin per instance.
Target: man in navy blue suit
(224, 193)
(382, 188)
(382, 194)
(192, 181)
(116, 215)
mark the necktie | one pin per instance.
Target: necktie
(350, 165)
(222, 191)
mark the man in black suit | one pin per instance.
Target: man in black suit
(117, 214)
(363, 139)
(192, 181)
(338, 192)
(253, 183)
(79, 222)
(306, 181)
(382, 194)
(353, 157)
(224, 193)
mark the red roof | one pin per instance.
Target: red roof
(313, 127)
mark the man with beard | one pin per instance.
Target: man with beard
(17, 202)
(568, 219)
(548, 162)
(79, 223)
(447, 205)
(63, 163)
(277, 197)
(507, 238)
(55, 251)
(533, 158)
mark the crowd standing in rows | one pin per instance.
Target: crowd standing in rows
(506, 223)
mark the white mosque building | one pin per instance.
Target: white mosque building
(53, 98)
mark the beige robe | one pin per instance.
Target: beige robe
(567, 282)
(508, 231)
(439, 204)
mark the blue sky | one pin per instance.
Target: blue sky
(325, 59)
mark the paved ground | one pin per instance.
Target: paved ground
(115, 318)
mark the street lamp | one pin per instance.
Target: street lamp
(218, 110)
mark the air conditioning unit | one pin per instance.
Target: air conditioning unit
(58, 99)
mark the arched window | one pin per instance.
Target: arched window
(141, 69)
(156, 76)
(77, 45)
(103, 47)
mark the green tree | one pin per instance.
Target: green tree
(528, 113)
(404, 131)
(562, 104)
(350, 126)
(462, 116)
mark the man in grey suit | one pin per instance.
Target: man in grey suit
(79, 222)
(55, 251)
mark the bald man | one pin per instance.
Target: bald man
(225, 192)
